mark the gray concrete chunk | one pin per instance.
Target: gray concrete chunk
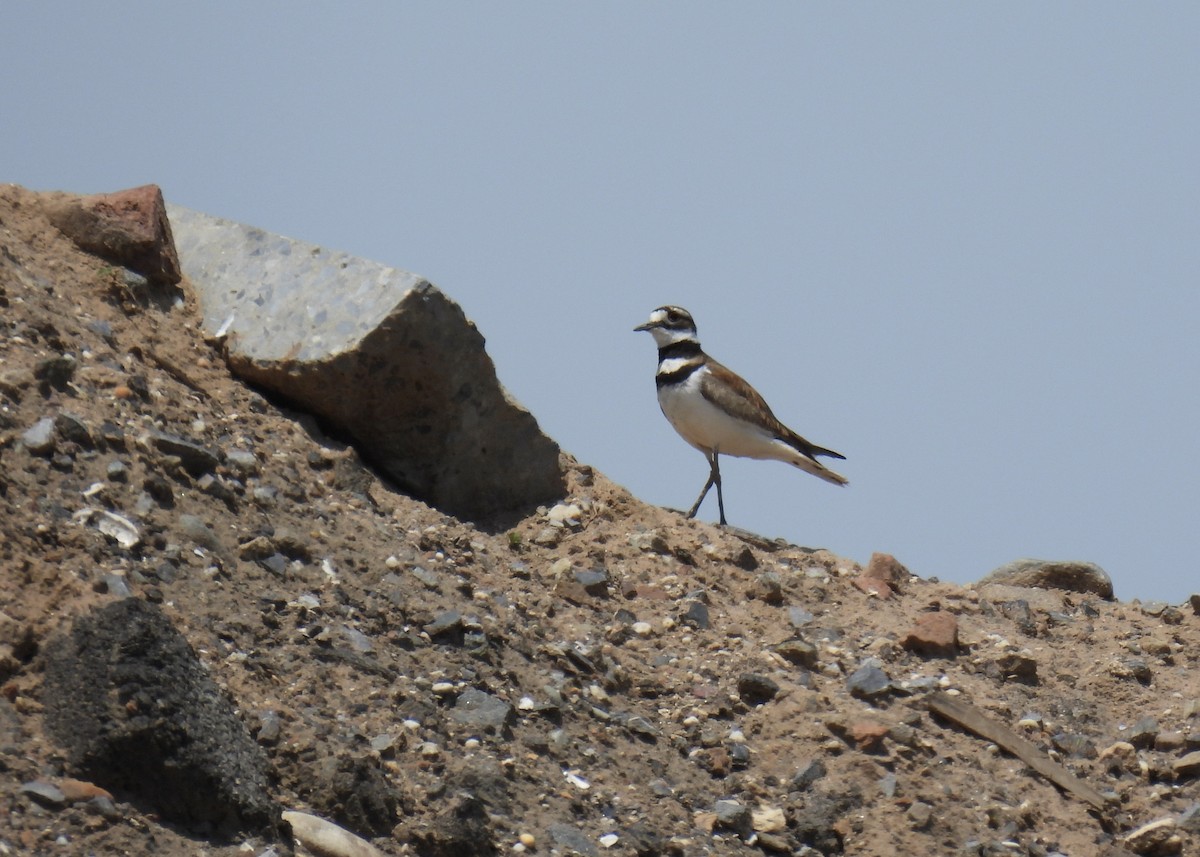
(381, 354)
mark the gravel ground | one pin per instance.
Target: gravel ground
(602, 677)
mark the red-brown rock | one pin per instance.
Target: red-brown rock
(128, 228)
(81, 790)
(867, 735)
(871, 586)
(885, 567)
(934, 635)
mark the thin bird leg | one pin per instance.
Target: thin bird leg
(714, 477)
(716, 472)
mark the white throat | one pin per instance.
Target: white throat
(663, 336)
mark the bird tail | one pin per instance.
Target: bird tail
(807, 459)
(816, 468)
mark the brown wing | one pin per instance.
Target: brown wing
(728, 390)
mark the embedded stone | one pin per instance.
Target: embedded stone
(479, 709)
(128, 228)
(756, 689)
(137, 712)
(867, 735)
(868, 682)
(381, 355)
(39, 438)
(799, 652)
(1157, 837)
(1187, 766)
(196, 459)
(885, 567)
(1070, 575)
(934, 635)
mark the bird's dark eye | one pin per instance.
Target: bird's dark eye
(672, 316)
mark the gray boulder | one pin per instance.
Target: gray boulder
(380, 354)
(1053, 574)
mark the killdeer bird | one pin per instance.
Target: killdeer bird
(716, 411)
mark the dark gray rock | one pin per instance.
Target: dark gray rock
(594, 581)
(696, 615)
(735, 816)
(270, 728)
(644, 839)
(381, 355)
(357, 795)
(73, 428)
(639, 726)
(461, 830)
(1075, 745)
(196, 459)
(755, 689)
(1013, 666)
(573, 840)
(112, 435)
(799, 652)
(444, 623)
(1021, 614)
(56, 372)
(478, 709)
(199, 532)
(1053, 574)
(1143, 733)
(1132, 667)
(868, 682)
(138, 714)
(809, 773)
(815, 820)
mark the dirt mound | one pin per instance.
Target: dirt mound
(603, 678)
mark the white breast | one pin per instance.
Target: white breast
(708, 428)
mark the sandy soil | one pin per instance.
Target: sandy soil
(674, 687)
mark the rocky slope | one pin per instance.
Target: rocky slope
(182, 558)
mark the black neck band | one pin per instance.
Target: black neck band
(681, 348)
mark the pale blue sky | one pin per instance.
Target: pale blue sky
(960, 243)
